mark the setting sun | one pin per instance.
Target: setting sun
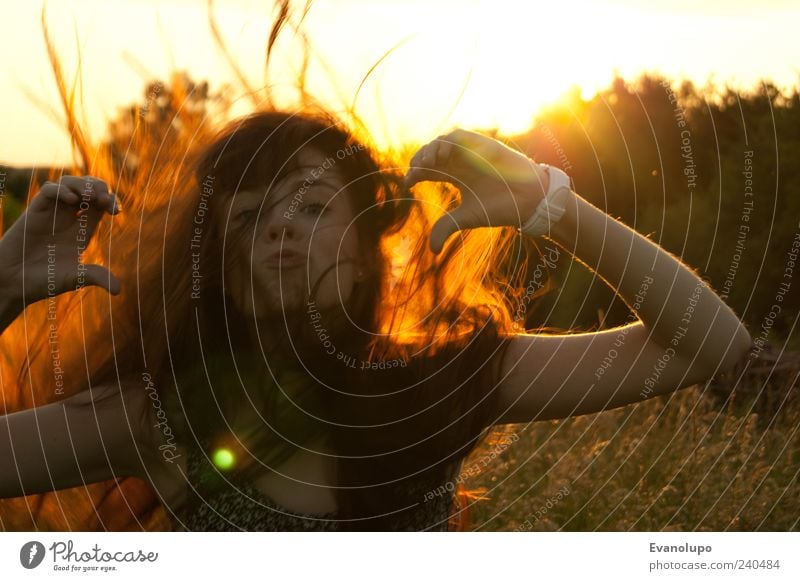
(429, 66)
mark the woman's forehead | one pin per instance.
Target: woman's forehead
(314, 164)
(311, 171)
(306, 165)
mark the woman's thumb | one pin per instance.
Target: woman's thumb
(448, 225)
(96, 275)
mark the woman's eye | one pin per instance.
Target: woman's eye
(315, 208)
(246, 215)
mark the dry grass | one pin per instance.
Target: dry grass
(682, 463)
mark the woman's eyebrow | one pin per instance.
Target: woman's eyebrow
(249, 191)
(319, 182)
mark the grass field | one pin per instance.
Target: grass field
(675, 463)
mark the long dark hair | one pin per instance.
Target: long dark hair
(445, 317)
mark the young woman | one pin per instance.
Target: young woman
(297, 348)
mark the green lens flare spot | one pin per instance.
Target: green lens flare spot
(224, 459)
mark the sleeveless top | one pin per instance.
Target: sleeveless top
(236, 505)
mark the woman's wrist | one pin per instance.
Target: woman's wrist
(565, 230)
(556, 186)
(10, 307)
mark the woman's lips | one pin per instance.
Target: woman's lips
(285, 260)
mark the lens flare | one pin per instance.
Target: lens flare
(224, 459)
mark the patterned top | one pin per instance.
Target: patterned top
(238, 506)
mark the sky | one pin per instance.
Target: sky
(468, 63)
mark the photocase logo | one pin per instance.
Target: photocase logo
(31, 554)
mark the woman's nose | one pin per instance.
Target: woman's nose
(279, 222)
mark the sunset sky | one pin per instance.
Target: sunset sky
(507, 57)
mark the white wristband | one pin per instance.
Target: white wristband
(552, 207)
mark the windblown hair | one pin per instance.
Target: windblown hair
(446, 317)
(435, 324)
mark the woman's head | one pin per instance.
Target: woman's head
(297, 240)
(298, 208)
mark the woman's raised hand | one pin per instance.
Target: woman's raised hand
(499, 186)
(40, 254)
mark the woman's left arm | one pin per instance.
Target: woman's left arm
(686, 333)
(679, 309)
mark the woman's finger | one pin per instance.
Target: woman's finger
(458, 219)
(110, 202)
(445, 149)
(416, 159)
(51, 192)
(419, 174)
(91, 190)
(81, 186)
(431, 154)
(426, 156)
(96, 275)
(416, 173)
(105, 199)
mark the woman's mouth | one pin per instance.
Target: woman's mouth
(285, 259)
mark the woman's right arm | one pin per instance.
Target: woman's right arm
(63, 445)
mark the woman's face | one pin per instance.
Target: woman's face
(301, 234)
